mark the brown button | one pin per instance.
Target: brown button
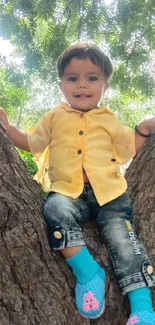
(57, 234)
(81, 132)
(82, 115)
(113, 159)
(149, 269)
(79, 152)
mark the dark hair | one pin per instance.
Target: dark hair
(84, 51)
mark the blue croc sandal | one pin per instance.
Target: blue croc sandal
(90, 297)
(142, 318)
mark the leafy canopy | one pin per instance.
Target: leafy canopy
(125, 29)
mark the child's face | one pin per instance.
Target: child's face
(83, 84)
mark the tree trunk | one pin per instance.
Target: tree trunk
(36, 285)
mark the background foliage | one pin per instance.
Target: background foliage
(41, 29)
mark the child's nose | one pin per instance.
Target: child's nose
(82, 84)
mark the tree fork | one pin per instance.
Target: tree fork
(36, 285)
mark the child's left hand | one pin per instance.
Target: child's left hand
(142, 132)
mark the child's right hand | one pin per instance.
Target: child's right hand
(4, 118)
(18, 136)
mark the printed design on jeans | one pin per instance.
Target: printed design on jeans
(133, 320)
(90, 302)
(133, 239)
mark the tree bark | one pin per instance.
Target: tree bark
(36, 285)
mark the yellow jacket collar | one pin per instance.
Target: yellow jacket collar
(97, 110)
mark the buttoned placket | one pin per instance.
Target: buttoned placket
(81, 133)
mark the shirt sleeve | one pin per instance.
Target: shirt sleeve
(123, 138)
(39, 136)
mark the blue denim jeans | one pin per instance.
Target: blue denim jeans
(63, 216)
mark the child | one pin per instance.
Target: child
(79, 147)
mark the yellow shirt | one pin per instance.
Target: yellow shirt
(65, 141)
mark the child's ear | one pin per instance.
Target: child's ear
(60, 86)
(106, 86)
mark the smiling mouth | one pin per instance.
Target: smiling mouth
(82, 96)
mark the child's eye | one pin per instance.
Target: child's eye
(93, 78)
(72, 79)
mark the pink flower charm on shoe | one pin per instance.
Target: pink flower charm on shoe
(90, 302)
(133, 320)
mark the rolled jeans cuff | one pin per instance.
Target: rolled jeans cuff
(146, 278)
(59, 238)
